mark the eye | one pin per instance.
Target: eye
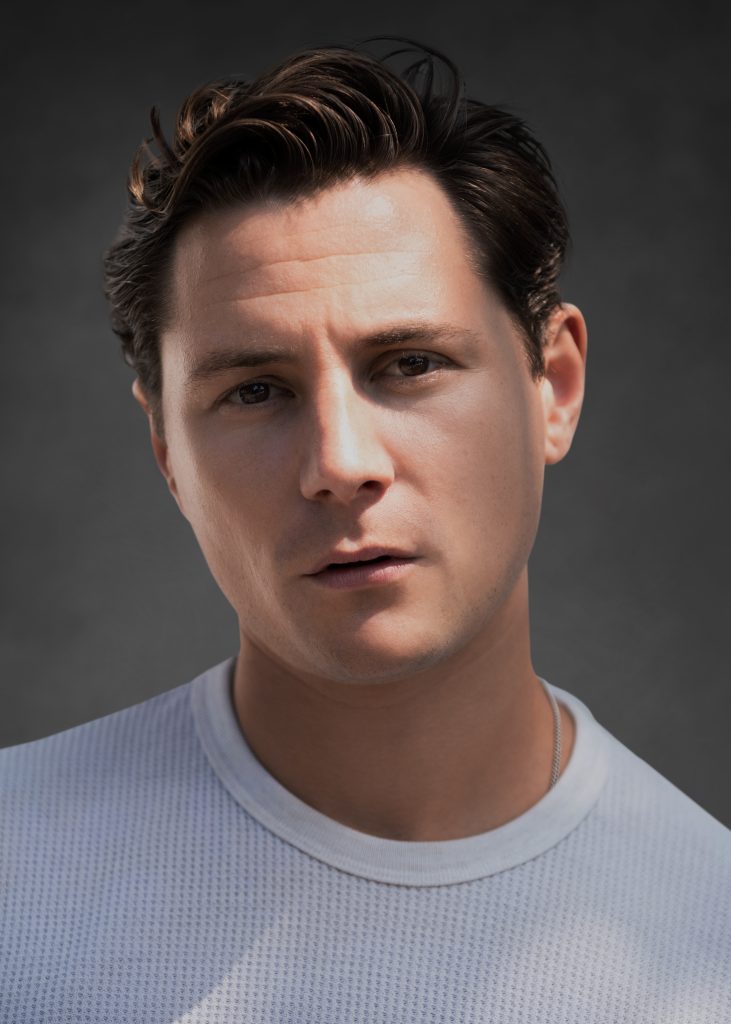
(413, 364)
(253, 392)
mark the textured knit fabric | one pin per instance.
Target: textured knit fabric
(153, 871)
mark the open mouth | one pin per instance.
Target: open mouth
(365, 572)
(367, 561)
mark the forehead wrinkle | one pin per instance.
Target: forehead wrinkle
(266, 264)
(238, 299)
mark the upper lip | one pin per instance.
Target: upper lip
(340, 557)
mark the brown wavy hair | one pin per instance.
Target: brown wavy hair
(323, 116)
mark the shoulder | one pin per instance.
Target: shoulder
(47, 779)
(660, 816)
(643, 887)
(92, 824)
(647, 860)
(659, 864)
(640, 817)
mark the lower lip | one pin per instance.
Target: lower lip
(348, 577)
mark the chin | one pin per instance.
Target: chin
(379, 659)
(377, 670)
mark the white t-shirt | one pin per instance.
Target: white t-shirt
(152, 870)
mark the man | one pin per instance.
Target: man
(338, 289)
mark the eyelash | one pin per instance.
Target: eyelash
(440, 361)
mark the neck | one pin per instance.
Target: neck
(445, 753)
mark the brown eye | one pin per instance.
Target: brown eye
(251, 394)
(414, 364)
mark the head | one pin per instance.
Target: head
(338, 288)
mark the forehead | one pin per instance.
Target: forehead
(335, 237)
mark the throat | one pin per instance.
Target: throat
(436, 764)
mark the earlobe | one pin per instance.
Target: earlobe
(159, 446)
(562, 386)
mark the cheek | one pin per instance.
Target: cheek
(489, 480)
(489, 445)
(223, 478)
(230, 502)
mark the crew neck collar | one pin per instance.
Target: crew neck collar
(442, 862)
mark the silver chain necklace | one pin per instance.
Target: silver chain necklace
(556, 762)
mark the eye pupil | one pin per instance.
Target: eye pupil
(413, 364)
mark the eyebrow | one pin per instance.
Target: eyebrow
(213, 363)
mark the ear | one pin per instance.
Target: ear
(562, 386)
(159, 446)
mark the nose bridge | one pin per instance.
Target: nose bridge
(344, 448)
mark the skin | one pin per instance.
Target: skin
(409, 711)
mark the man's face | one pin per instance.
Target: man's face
(391, 407)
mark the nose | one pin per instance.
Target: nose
(344, 455)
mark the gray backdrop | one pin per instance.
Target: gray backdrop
(106, 599)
